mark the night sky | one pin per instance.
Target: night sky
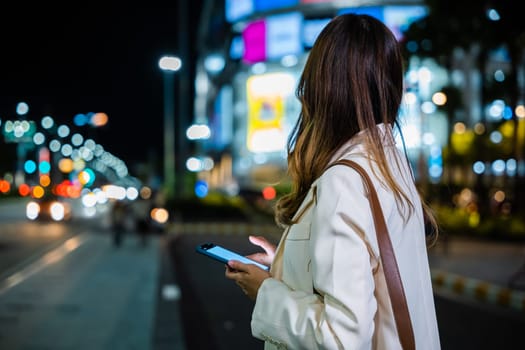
(105, 59)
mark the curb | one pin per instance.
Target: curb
(479, 289)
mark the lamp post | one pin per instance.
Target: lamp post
(169, 65)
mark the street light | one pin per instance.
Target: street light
(169, 65)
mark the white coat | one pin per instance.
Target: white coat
(322, 293)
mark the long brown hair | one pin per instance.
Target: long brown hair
(352, 81)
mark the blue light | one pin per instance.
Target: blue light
(201, 189)
(29, 166)
(507, 113)
(435, 171)
(44, 167)
(267, 5)
(498, 166)
(90, 177)
(435, 164)
(80, 119)
(478, 167)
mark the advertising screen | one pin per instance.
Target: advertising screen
(311, 30)
(273, 37)
(283, 35)
(254, 40)
(238, 9)
(268, 96)
(267, 5)
(399, 18)
(396, 17)
(236, 48)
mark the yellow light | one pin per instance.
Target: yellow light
(459, 128)
(45, 180)
(462, 141)
(499, 196)
(507, 129)
(65, 165)
(520, 135)
(37, 192)
(84, 177)
(474, 219)
(439, 98)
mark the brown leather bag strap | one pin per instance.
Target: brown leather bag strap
(388, 258)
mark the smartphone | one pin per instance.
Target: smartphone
(224, 255)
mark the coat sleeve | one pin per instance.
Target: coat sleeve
(341, 313)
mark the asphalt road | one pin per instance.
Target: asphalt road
(216, 315)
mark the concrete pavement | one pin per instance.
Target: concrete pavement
(87, 294)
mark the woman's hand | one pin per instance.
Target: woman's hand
(247, 276)
(265, 258)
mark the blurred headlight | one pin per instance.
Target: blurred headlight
(32, 210)
(57, 211)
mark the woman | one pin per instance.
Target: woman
(320, 292)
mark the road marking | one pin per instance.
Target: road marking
(49, 258)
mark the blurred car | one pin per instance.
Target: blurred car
(50, 208)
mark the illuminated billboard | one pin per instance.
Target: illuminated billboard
(273, 37)
(396, 17)
(311, 30)
(238, 9)
(268, 96)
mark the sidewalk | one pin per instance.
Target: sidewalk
(87, 294)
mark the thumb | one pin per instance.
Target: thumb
(261, 242)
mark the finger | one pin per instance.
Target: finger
(238, 266)
(261, 242)
(257, 240)
(231, 273)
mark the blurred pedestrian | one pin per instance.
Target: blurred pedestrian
(141, 214)
(118, 222)
(321, 292)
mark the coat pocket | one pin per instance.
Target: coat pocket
(300, 229)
